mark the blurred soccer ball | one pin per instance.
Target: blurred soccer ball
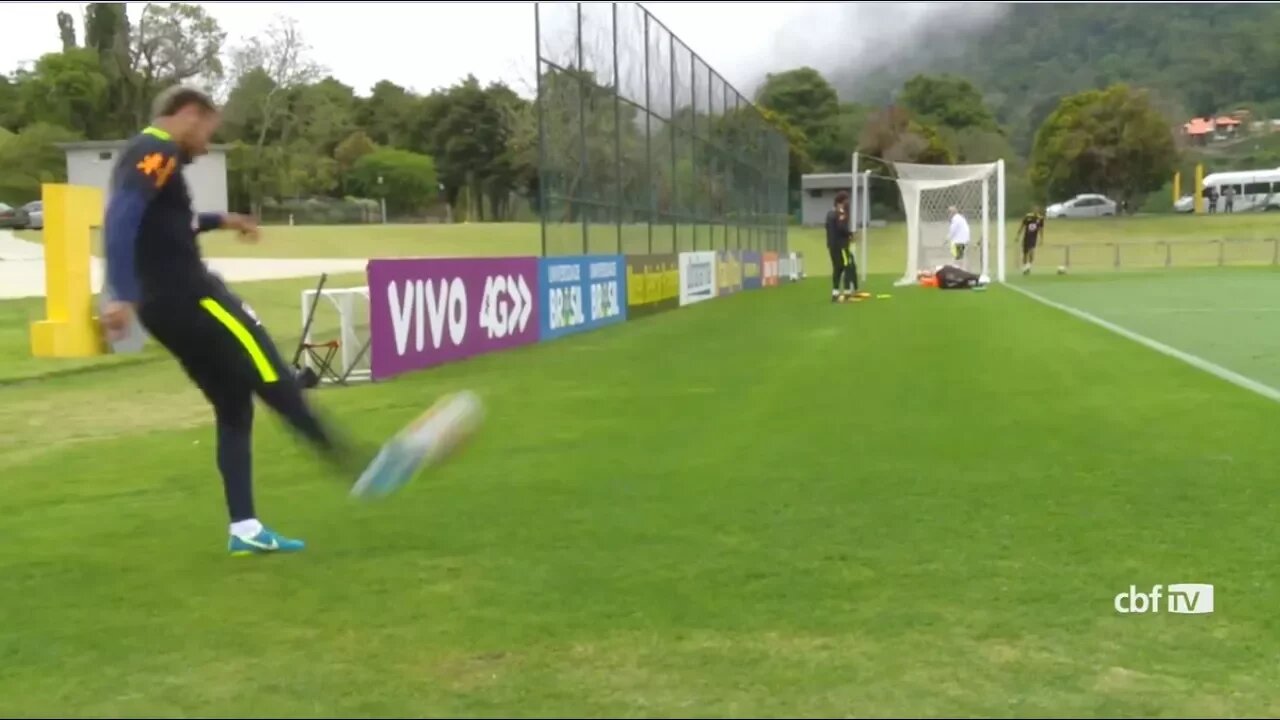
(445, 425)
(1062, 269)
(983, 279)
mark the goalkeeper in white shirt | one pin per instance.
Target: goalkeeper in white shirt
(957, 234)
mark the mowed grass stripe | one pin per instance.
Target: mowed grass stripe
(766, 504)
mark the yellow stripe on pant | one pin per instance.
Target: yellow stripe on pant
(246, 338)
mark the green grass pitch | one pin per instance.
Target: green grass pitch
(765, 505)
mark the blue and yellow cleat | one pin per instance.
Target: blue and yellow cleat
(265, 542)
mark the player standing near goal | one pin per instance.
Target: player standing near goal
(844, 271)
(1032, 232)
(154, 269)
(957, 233)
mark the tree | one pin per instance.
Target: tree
(268, 69)
(10, 113)
(976, 145)
(408, 179)
(893, 134)
(349, 151)
(848, 127)
(798, 160)
(947, 101)
(802, 96)
(173, 43)
(67, 30)
(470, 132)
(106, 32)
(805, 99)
(1109, 141)
(66, 89)
(31, 158)
(388, 116)
(325, 113)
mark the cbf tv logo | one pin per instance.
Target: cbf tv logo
(1181, 599)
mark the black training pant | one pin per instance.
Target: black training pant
(841, 266)
(228, 354)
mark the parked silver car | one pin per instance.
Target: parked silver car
(1083, 206)
(12, 217)
(35, 214)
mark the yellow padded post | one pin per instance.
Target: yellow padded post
(69, 328)
(1198, 192)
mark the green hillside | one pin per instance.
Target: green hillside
(1197, 58)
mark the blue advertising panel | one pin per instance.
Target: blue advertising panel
(752, 270)
(581, 293)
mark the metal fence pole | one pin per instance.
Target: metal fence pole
(1275, 252)
(648, 136)
(1116, 247)
(1222, 255)
(1066, 259)
(542, 132)
(693, 139)
(1168, 255)
(674, 133)
(582, 137)
(617, 130)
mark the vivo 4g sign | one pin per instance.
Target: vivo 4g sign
(697, 277)
(581, 293)
(428, 312)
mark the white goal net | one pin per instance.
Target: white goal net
(928, 194)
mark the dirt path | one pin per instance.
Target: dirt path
(22, 268)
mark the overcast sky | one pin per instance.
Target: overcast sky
(361, 43)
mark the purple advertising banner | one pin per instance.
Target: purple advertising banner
(425, 312)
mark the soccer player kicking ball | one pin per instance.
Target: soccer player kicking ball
(154, 270)
(957, 234)
(1031, 231)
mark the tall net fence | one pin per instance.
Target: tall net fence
(642, 147)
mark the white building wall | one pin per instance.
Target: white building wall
(206, 177)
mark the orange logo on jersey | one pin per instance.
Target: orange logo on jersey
(157, 166)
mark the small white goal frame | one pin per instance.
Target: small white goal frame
(352, 348)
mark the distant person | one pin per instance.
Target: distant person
(844, 272)
(950, 277)
(1212, 196)
(1032, 232)
(1229, 199)
(958, 233)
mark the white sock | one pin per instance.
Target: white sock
(835, 293)
(246, 528)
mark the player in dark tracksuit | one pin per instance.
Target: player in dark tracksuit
(154, 269)
(1032, 232)
(844, 270)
